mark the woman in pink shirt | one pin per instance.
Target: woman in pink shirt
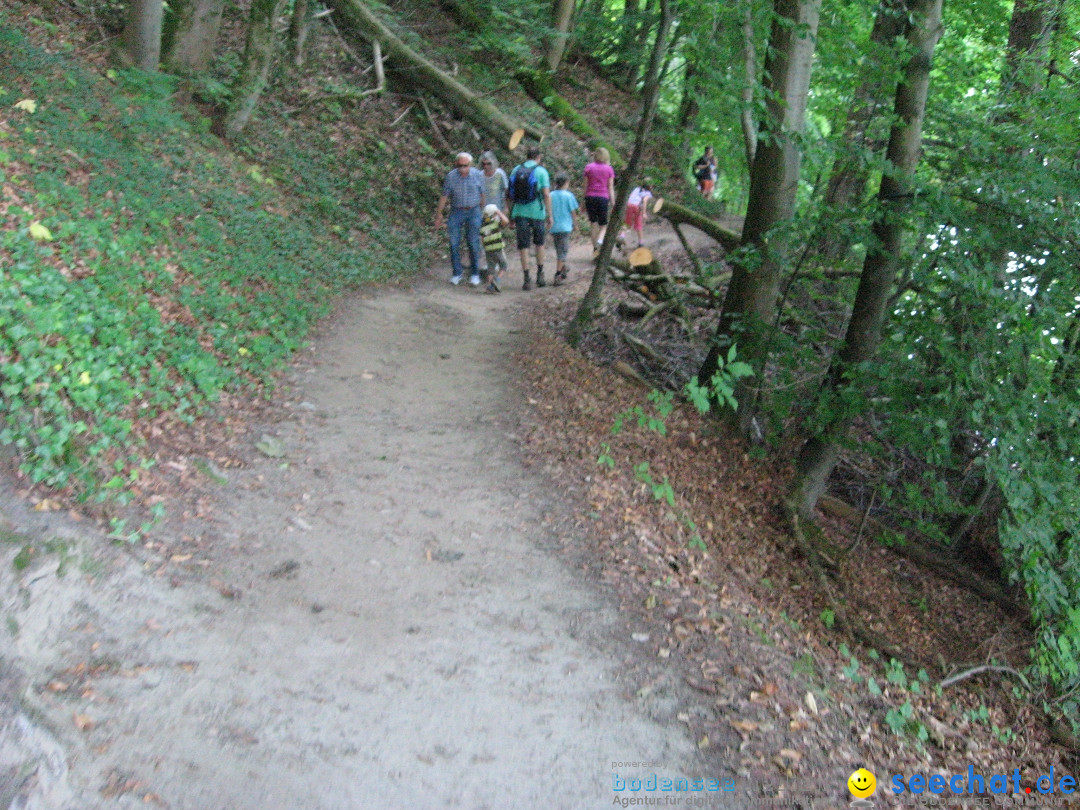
(599, 192)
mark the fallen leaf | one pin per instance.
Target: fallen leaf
(744, 725)
(57, 686)
(811, 703)
(703, 743)
(790, 753)
(27, 104)
(83, 722)
(180, 557)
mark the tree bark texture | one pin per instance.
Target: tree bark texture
(819, 454)
(562, 19)
(254, 67)
(649, 96)
(191, 48)
(751, 297)
(356, 21)
(142, 34)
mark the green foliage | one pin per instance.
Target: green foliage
(144, 273)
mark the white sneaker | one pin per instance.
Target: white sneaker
(455, 280)
(474, 279)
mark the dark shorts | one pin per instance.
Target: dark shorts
(562, 244)
(529, 230)
(597, 209)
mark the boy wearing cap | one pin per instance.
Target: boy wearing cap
(491, 236)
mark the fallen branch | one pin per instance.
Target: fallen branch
(941, 564)
(680, 215)
(355, 20)
(971, 673)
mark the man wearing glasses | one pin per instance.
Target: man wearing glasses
(463, 190)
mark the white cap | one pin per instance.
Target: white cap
(491, 209)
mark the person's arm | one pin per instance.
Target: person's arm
(505, 220)
(443, 200)
(611, 188)
(547, 207)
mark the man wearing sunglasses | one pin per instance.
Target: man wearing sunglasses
(463, 191)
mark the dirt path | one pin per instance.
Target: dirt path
(385, 623)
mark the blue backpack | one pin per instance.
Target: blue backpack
(523, 185)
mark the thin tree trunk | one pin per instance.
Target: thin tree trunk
(191, 46)
(649, 96)
(255, 67)
(562, 17)
(688, 104)
(142, 34)
(299, 28)
(819, 454)
(746, 117)
(751, 297)
(847, 183)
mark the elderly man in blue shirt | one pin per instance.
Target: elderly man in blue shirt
(463, 191)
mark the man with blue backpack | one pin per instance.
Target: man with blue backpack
(529, 196)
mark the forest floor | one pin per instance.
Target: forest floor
(404, 582)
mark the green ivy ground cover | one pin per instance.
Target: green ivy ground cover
(142, 270)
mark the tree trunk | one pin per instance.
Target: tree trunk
(746, 117)
(562, 18)
(299, 28)
(254, 68)
(142, 34)
(819, 454)
(848, 180)
(649, 96)
(356, 21)
(1027, 54)
(688, 104)
(774, 179)
(191, 46)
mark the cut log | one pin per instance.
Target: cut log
(680, 215)
(357, 22)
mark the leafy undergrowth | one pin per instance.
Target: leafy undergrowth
(743, 618)
(147, 271)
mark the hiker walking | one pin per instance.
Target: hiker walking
(529, 197)
(705, 172)
(495, 180)
(563, 206)
(494, 245)
(599, 192)
(463, 191)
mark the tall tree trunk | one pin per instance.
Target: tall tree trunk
(562, 18)
(194, 35)
(258, 55)
(746, 117)
(774, 178)
(847, 183)
(1027, 54)
(819, 454)
(650, 94)
(299, 27)
(142, 34)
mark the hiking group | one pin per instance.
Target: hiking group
(482, 202)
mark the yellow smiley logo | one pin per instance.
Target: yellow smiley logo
(862, 784)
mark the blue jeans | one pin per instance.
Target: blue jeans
(469, 219)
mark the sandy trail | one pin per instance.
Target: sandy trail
(408, 635)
